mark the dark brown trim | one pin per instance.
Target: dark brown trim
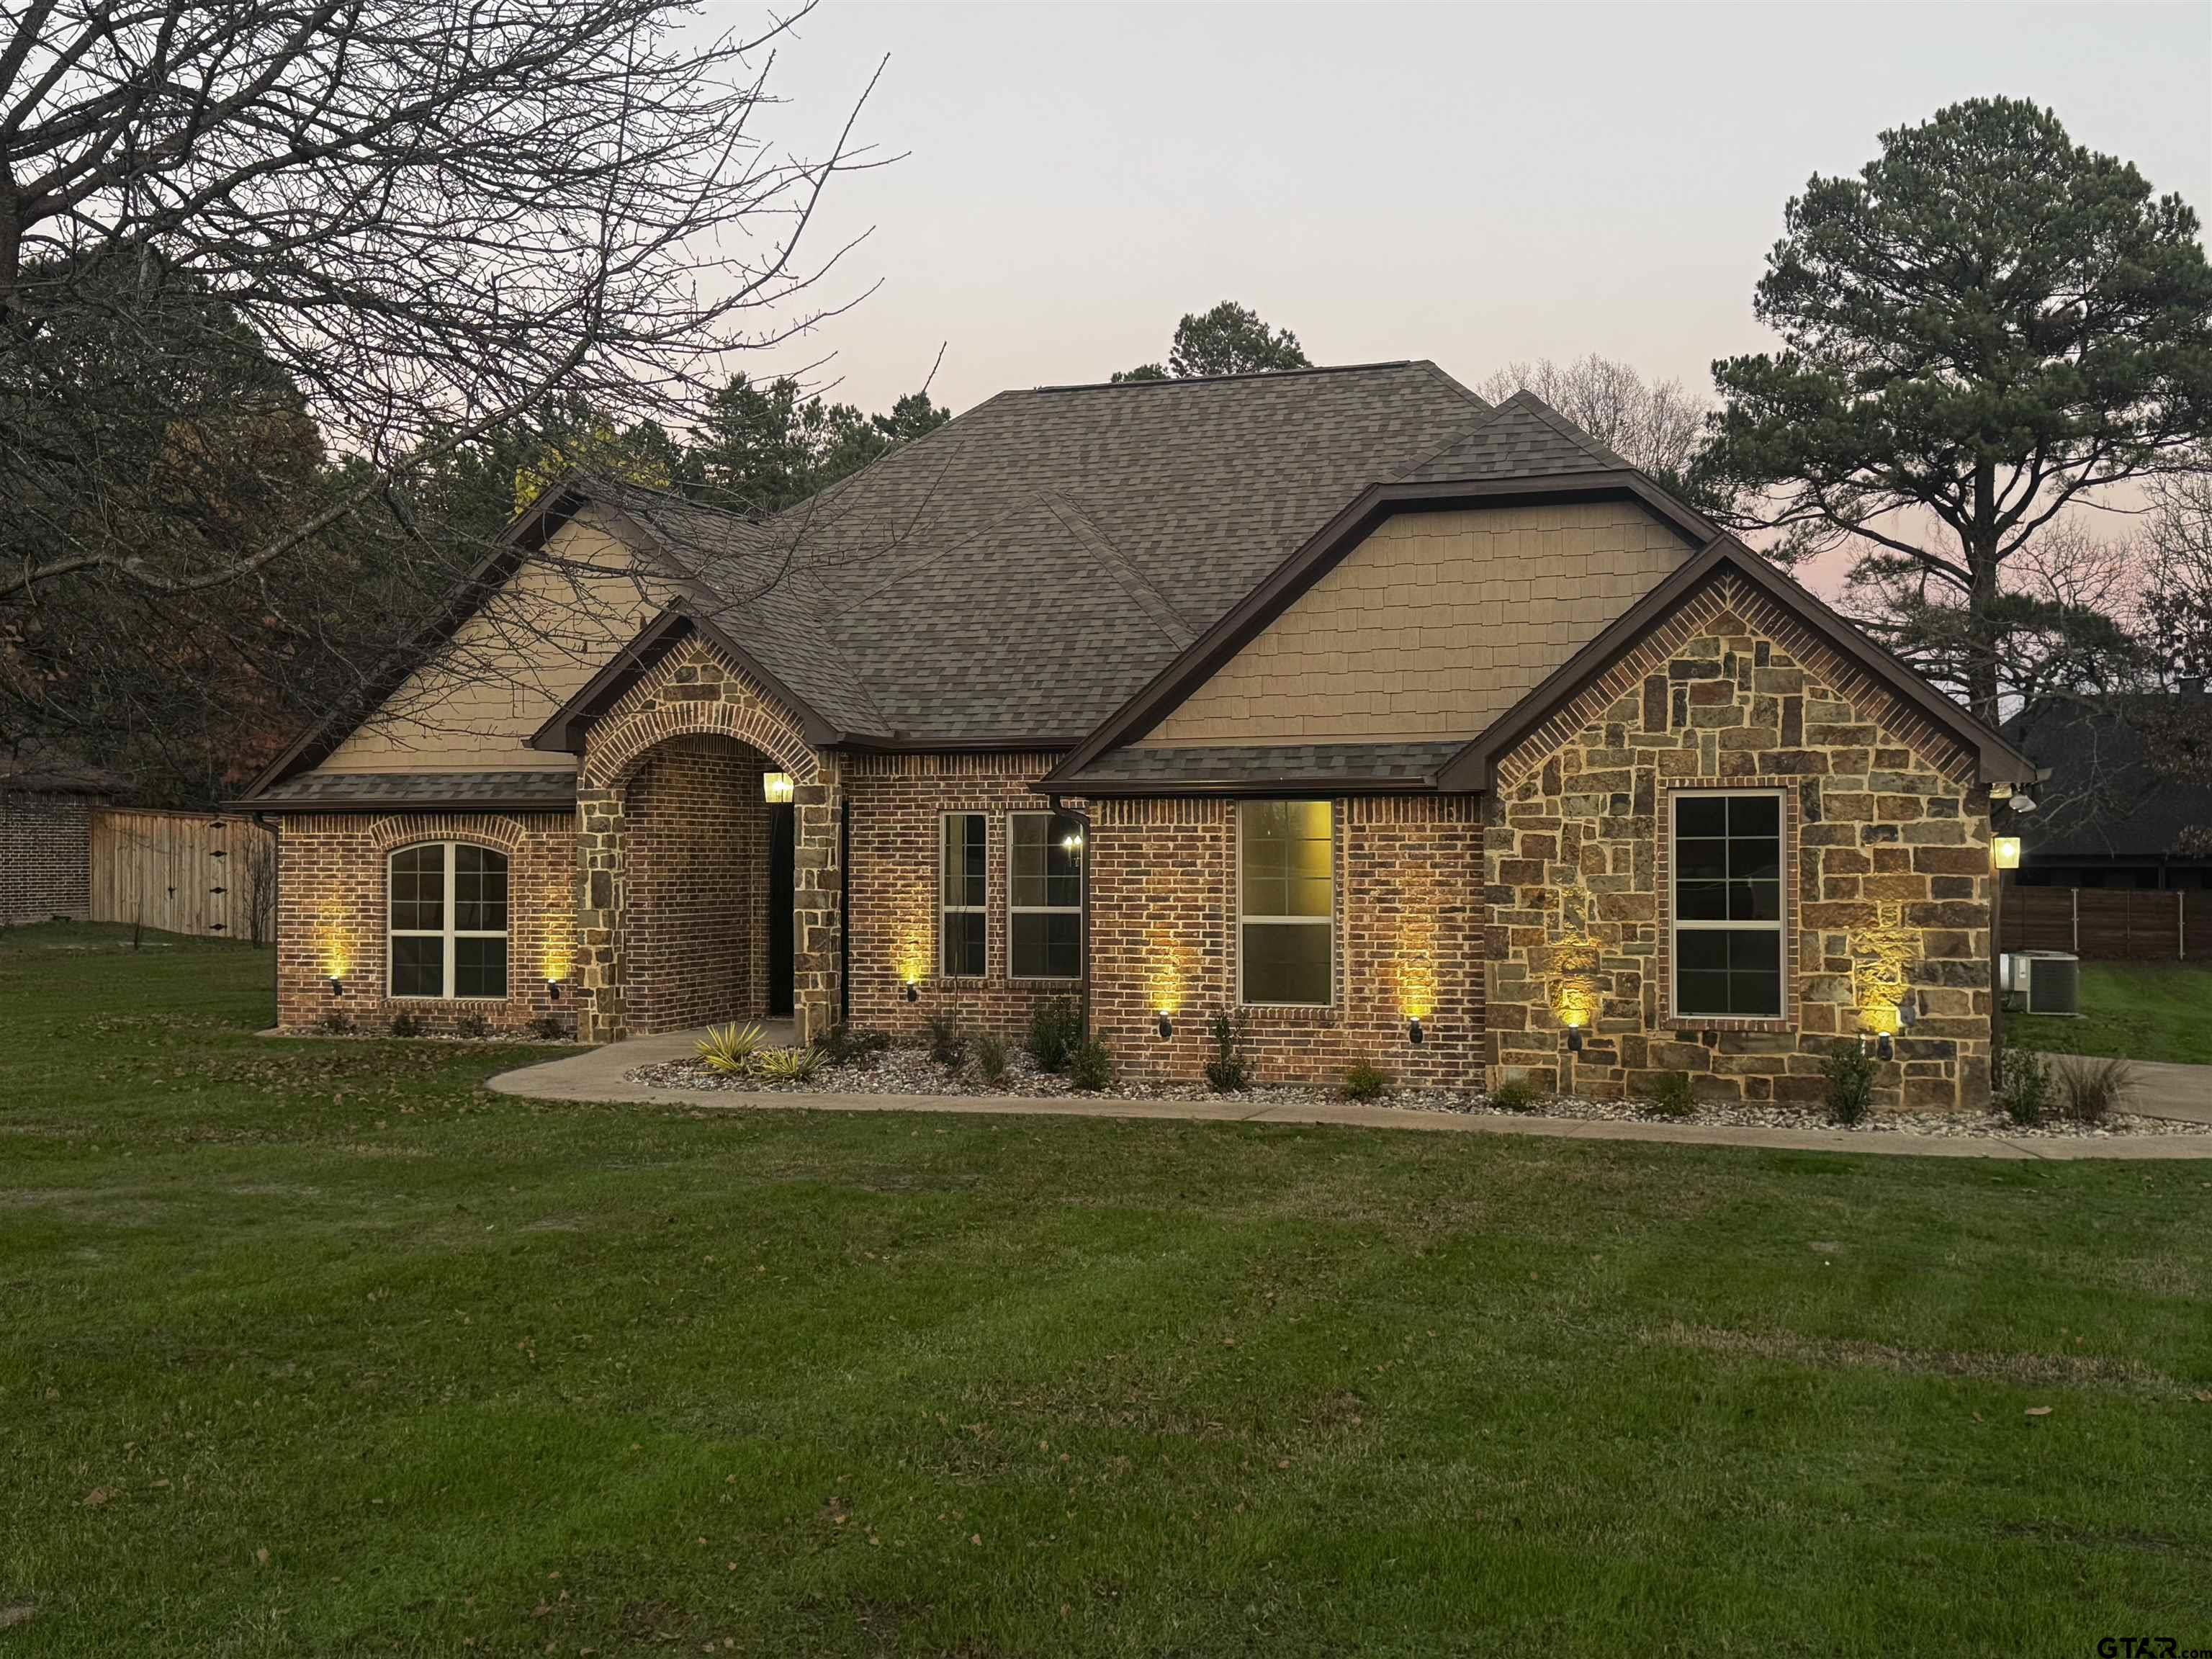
(1328, 548)
(1468, 771)
(356, 804)
(1292, 787)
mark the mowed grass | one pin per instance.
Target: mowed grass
(316, 1347)
(2155, 1011)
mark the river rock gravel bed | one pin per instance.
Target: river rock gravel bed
(909, 1071)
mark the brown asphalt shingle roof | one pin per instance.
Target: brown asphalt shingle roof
(1253, 765)
(1020, 572)
(352, 790)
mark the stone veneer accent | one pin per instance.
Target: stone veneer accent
(332, 870)
(897, 801)
(1409, 932)
(693, 693)
(1886, 867)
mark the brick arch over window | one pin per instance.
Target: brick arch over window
(501, 835)
(696, 693)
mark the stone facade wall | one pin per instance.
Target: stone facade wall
(696, 925)
(46, 857)
(692, 693)
(332, 915)
(1887, 869)
(897, 801)
(1410, 935)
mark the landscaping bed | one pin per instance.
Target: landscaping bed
(911, 1071)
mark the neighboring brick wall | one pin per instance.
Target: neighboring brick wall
(1409, 929)
(44, 857)
(1887, 835)
(692, 694)
(696, 926)
(896, 803)
(332, 913)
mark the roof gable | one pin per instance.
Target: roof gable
(1524, 437)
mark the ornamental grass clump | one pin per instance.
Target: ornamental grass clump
(2090, 1089)
(789, 1064)
(730, 1048)
(1667, 1094)
(946, 1045)
(1850, 1070)
(1515, 1097)
(991, 1057)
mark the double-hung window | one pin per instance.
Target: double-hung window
(961, 887)
(448, 921)
(1044, 896)
(1285, 898)
(1728, 904)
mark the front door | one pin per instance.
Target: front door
(782, 846)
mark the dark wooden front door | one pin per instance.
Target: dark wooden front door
(782, 843)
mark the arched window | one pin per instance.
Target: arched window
(449, 920)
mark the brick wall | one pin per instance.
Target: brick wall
(1409, 940)
(44, 857)
(1887, 871)
(331, 912)
(696, 924)
(896, 803)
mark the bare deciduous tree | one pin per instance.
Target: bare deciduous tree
(1656, 425)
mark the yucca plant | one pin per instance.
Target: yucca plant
(789, 1064)
(729, 1048)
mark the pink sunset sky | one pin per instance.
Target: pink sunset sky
(1471, 183)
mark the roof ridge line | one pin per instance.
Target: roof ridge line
(1216, 380)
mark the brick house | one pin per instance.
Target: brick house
(46, 804)
(1415, 731)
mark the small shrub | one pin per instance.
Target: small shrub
(1055, 1030)
(472, 1024)
(406, 1025)
(946, 1046)
(991, 1057)
(729, 1049)
(1089, 1067)
(2025, 1085)
(1667, 1095)
(1514, 1096)
(2088, 1089)
(846, 1045)
(549, 1028)
(1849, 1070)
(788, 1065)
(336, 1024)
(1229, 1070)
(1366, 1083)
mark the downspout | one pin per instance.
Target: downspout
(1084, 947)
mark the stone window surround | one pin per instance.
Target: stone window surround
(1290, 1013)
(1663, 881)
(448, 931)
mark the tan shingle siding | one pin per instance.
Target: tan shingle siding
(1436, 625)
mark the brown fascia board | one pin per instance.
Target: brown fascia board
(564, 732)
(1326, 549)
(1468, 771)
(1289, 787)
(531, 530)
(392, 808)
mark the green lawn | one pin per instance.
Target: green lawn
(316, 1348)
(2158, 1011)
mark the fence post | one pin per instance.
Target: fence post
(2076, 913)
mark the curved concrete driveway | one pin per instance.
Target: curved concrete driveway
(597, 1075)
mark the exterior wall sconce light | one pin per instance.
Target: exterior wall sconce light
(1574, 1039)
(2004, 852)
(1414, 1035)
(1072, 841)
(912, 995)
(775, 787)
(337, 986)
(1166, 1027)
(553, 989)
(1884, 1046)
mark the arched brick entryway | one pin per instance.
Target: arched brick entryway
(673, 847)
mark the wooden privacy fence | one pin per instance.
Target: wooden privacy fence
(2109, 923)
(183, 873)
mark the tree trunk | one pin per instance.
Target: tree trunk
(1981, 628)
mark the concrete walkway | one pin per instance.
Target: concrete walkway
(597, 1075)
(2181, 1093)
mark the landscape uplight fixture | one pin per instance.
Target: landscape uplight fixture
(1413, 1032)
(912, 995)
(1166, 1027)
(337, 986)
(553, 989)
(1885, 1048)
(1574, 1039)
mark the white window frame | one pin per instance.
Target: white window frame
(448, 932)
(1082, 883)
(944, 835)
(1237, 876)
(1676, 927)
